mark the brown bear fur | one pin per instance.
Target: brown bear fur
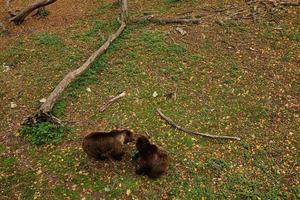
(151, 160)
(103, 145)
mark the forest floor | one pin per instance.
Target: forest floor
(236, 73)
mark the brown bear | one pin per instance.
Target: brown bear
(151, 160)
(103, 145)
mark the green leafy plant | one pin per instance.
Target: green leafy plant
(43, 133)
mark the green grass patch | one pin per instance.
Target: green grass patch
(43, 133)
(98, 25)
(218, 165)
(61, 192)
(234, 24)
(59, 108)
(2, 148)
(48, 39)
(20, 181)
(286, 57)
(171, 1)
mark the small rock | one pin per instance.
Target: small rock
(43, 100)
(181, 31)
(128, 192)
(88, 89)
(154, 94)
(13, 105)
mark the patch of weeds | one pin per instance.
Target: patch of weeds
(188, 141)
(2, 148)
(200, 189)
(234, 24)
(286, 57)
(233, 73)
(172, 1)
(268, 31)
(115, 24)
(43, 12)
(176, 49)
(153, 41)
(13, 55)
(104, 8)
(296, 192)
(74, 57)
(88, 182)
(294, 36)
(255, 113)
(120, 185)
(296, 85)
(59, 108)
(43, 133)
(48, 39)
(131, 70)
(16, 182)
(216, 164)
(28, 193)
(242, 187)
(58, 162)
(8, 162)
(96, 27)
(61, 192)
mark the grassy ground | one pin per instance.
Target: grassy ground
(236, 77)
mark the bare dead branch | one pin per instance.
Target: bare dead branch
(47, 106)
(156, 20)
(124, 7)
(173, 124)
(111, 101)
(20, 16)
(289, 3)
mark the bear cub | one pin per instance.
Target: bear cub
(150, 159)
(103, 145)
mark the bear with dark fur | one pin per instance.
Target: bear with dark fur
(151, 160)
(103, 145)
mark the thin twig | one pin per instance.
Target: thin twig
(111, 101)
(172, 123)
(156, 20)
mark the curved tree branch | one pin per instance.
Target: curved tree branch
(173, 124)
(20, 16)
(47, 106)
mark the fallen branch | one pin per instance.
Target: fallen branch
(47, 106)
(20, 16)
(155, 20)
(111, 101)
(287, 3)
(172, 123)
